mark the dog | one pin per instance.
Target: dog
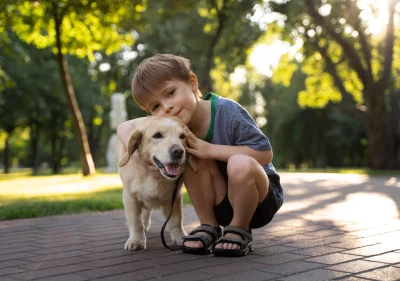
(158, 141)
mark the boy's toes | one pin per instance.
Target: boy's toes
(193, 244)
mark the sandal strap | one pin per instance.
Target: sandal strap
(215, 232)
(198, 237)
(241, 243)
(246, 235)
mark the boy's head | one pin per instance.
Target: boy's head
(152, 73)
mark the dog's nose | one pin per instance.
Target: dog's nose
(176, 152)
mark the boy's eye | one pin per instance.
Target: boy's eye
(170, 93)
(158, 135)
(155, 107)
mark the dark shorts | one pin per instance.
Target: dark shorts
(264, 213)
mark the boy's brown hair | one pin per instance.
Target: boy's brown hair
(153, 72)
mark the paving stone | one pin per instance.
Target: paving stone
(314, 275)
(114, 270)
(333, 258)
(373, 250)
(356, 266)
(10, 270)
(12, 263)
(391, 258)
(56, 256)
(279, 258)
(253, 275)
(233, 267)
(291, 267)
(8, 278)
(40, 274)
(16, 256)
(54, 263)
(352, 278)
(317, 251)
(272, 250)
(395, 226)
(385, 274)
(67, 277)
(194, 275)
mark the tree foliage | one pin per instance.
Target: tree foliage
(348, 65)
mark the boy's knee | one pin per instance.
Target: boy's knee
(240, 167)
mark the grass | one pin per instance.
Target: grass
(25, 196)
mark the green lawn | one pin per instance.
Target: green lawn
(26, 196)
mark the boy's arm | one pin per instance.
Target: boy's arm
(125, 129)
(205, 150)
(223, 152)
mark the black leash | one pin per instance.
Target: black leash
(170, 214)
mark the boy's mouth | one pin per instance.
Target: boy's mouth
(176, 114)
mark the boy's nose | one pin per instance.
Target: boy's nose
(169, 108)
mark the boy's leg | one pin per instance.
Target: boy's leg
(248, 186)
(206, 189)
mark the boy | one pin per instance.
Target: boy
(236, 185)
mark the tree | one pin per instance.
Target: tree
(75, 27)
(215, 35)
(350, 66)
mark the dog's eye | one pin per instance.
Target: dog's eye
(182, 136)
(158, 135)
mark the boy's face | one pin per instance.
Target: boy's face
(175, 98)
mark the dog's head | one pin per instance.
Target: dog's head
(160, 141)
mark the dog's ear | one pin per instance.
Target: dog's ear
(193, 163)
(133, 144)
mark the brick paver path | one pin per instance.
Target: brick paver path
(342, 227)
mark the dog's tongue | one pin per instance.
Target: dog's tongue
(172, 169)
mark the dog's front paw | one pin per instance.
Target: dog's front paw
(134, 245)
(176, 236)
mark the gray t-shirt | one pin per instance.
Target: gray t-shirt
(231, 124)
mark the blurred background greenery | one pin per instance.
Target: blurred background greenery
(320, 77)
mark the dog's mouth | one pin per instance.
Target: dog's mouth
(170, 170)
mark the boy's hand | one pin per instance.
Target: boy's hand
(196, 146)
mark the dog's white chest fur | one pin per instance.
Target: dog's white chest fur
(151, 193)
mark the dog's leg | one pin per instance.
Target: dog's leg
(146, 215)
(133, 212)
(175, 224)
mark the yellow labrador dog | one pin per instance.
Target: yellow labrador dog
(158, 141)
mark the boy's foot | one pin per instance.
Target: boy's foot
(234, 242)
(229, 246)
(201, 239)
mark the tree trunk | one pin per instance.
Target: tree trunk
(377, 130)
(80, 131)
(34, 147)
(393, 121)
(206, 83)
(6, 158)
(57, 146)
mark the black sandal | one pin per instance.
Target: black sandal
(215, 233)
(245, 243)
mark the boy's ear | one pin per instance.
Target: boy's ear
(194, 82)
